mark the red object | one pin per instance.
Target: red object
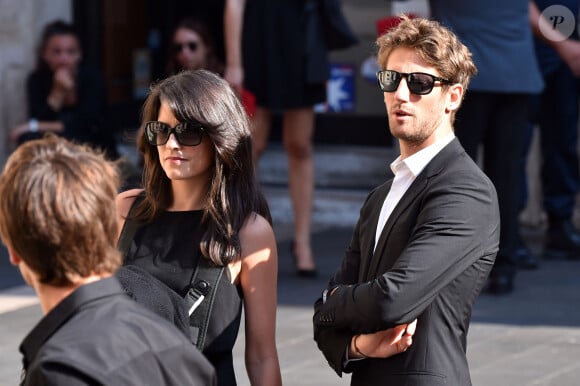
(385, 24)
(249, 102)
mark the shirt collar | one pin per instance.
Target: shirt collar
(417, 162)
(58, 316)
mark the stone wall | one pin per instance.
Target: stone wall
(21, 22)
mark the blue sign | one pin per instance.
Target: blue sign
(339, 89)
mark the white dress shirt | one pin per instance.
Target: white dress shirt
(406, 170)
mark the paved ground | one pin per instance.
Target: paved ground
(531, 337)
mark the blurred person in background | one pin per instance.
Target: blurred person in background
(193, 48)
(494, 117)
(64, 95)
(555, 112)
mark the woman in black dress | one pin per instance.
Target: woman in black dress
(286, 76)
(202, 201)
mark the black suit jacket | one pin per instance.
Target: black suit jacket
(431, 262)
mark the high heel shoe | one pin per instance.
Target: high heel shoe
(305, 273)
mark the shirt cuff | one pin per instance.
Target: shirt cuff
(348, 360)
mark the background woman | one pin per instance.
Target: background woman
(64, 95)
(193, 48)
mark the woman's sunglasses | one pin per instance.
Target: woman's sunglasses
(418, 83)
(186, 133)
(178, 47)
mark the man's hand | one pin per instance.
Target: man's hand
(569, 51)
(383, 344)
(63, 87)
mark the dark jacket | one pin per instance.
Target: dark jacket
(99, 336)
(431, 262)
(86, 121)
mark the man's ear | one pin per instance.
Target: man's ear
(14, 258)
(454, 97)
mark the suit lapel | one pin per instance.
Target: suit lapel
(408, 198)
(434, 167)
(368, 237)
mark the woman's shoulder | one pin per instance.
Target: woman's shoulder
(125, 200)
(256, 225)
(256, 232)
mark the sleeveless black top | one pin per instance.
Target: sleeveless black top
(168, 248)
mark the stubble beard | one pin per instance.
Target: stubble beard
(418, 134)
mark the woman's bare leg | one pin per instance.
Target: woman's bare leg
(260, 133)
(298, 130)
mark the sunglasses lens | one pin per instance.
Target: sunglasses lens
(389, 80)
(420, 84)
(156, 133)
(417, 82)
(188, 134)
(178, 47)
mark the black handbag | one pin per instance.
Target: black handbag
(197, 305)
(337, 32)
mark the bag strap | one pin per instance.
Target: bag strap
(129, 227)
(200, 298)
(202, 291)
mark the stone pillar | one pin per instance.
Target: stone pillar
(21, 22)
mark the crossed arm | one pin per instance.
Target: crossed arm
(451, 230)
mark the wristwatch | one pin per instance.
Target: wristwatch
(33, 125)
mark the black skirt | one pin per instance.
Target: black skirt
(277, 63)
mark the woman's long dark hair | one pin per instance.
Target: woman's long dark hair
(234, 193)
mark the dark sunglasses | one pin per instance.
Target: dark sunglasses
(178, 47)
(186, 133)
(418, 83)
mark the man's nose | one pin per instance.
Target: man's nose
(402, 92)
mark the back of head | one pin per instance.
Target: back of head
(58, 212)
(435, 44)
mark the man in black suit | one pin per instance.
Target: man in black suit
(426, 240)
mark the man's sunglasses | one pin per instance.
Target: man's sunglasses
(186, 133)
(418, 83)
(178, 47)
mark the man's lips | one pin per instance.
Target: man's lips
(400, 113)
